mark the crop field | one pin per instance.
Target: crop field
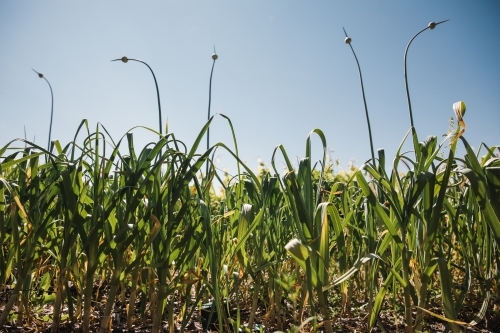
(92, 235)
(99, 236)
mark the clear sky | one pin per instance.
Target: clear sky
(283, 70)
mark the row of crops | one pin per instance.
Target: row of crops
(423, 228)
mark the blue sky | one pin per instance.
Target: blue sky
(283, 70)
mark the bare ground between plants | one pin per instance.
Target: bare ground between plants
(390, 319)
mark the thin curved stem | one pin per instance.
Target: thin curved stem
(209, 103)
(51, 108)
(49, 143)
(157, 90)
(430, 26)
(364, 100)
(214, 57)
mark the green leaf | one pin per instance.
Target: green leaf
(378, 208)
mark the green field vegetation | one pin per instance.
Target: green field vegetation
(96, 233)
(151, 228)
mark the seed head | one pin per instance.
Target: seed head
(124, 59)
(215, 56)
(432, 25)
(40, 75)
(347, 40)
(459, 108)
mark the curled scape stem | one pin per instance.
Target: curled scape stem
(348, 41)
(125, 59)
(430, 26)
